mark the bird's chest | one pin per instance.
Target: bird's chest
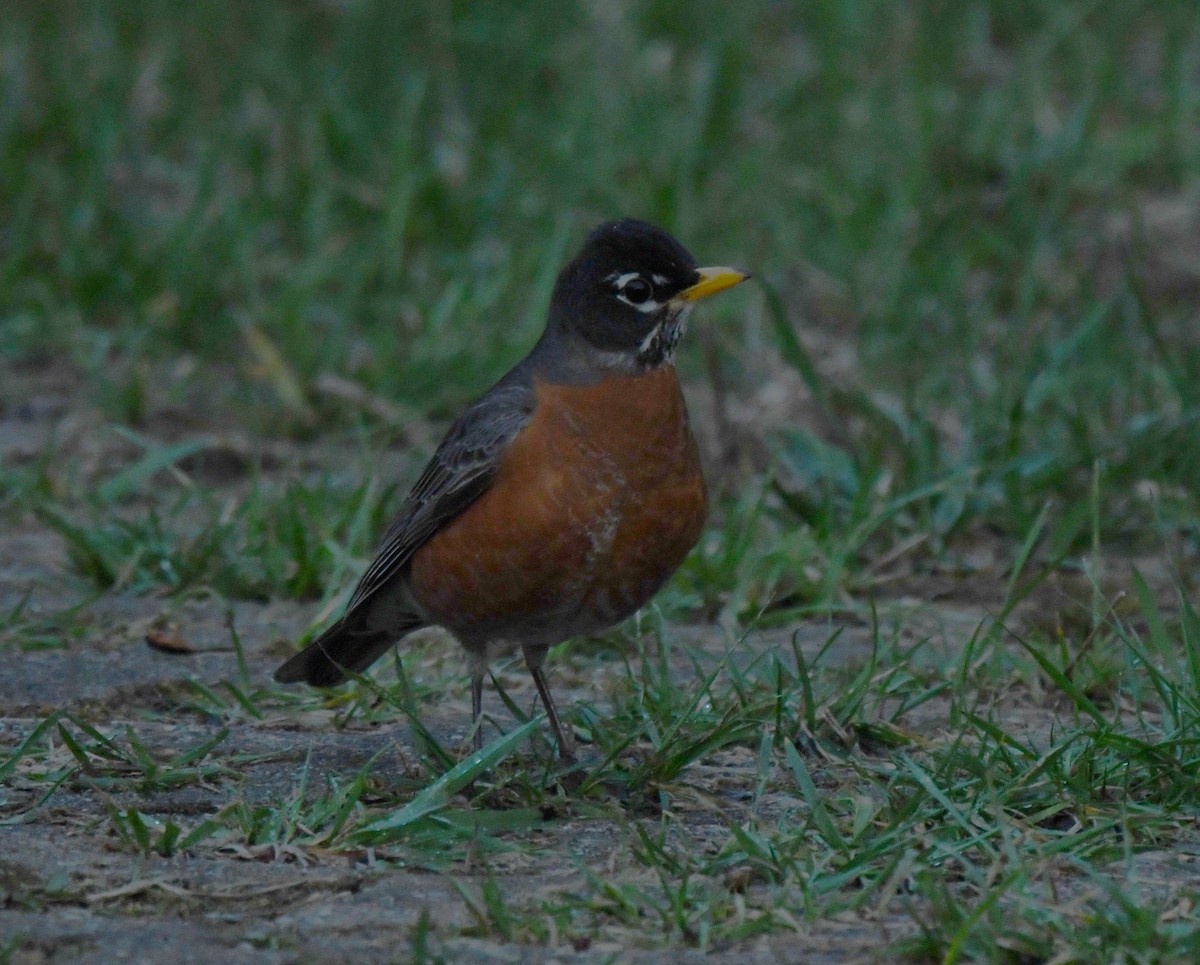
(595, 504)
(615, 467)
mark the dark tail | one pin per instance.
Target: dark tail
(339, 650)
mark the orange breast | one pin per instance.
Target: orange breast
(595, 504)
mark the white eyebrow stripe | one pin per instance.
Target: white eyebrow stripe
(625, 279)
(660, 279)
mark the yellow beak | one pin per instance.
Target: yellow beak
(713, 280)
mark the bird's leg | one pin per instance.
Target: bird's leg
(478, 668)
(534, 657)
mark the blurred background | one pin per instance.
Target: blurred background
(975, 229)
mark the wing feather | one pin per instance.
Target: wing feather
(459, 472)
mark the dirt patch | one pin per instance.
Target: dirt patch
(159, 677)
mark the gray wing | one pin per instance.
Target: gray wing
(459, 472)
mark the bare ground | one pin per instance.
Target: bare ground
(72, 891)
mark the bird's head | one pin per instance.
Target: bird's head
(629, 291)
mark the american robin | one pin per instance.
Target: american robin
(561, 501)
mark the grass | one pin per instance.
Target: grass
(845, 801)
(968, 371)
(293, 542)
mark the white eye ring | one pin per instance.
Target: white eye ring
(635, 291)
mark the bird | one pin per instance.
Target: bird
(561, 500)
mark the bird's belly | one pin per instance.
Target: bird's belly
(595, 505)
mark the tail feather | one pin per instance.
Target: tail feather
(339, 651)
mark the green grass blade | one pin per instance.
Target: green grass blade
(437, 795)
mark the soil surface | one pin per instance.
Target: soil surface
(72, 891)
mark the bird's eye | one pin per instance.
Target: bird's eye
(638, 290)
